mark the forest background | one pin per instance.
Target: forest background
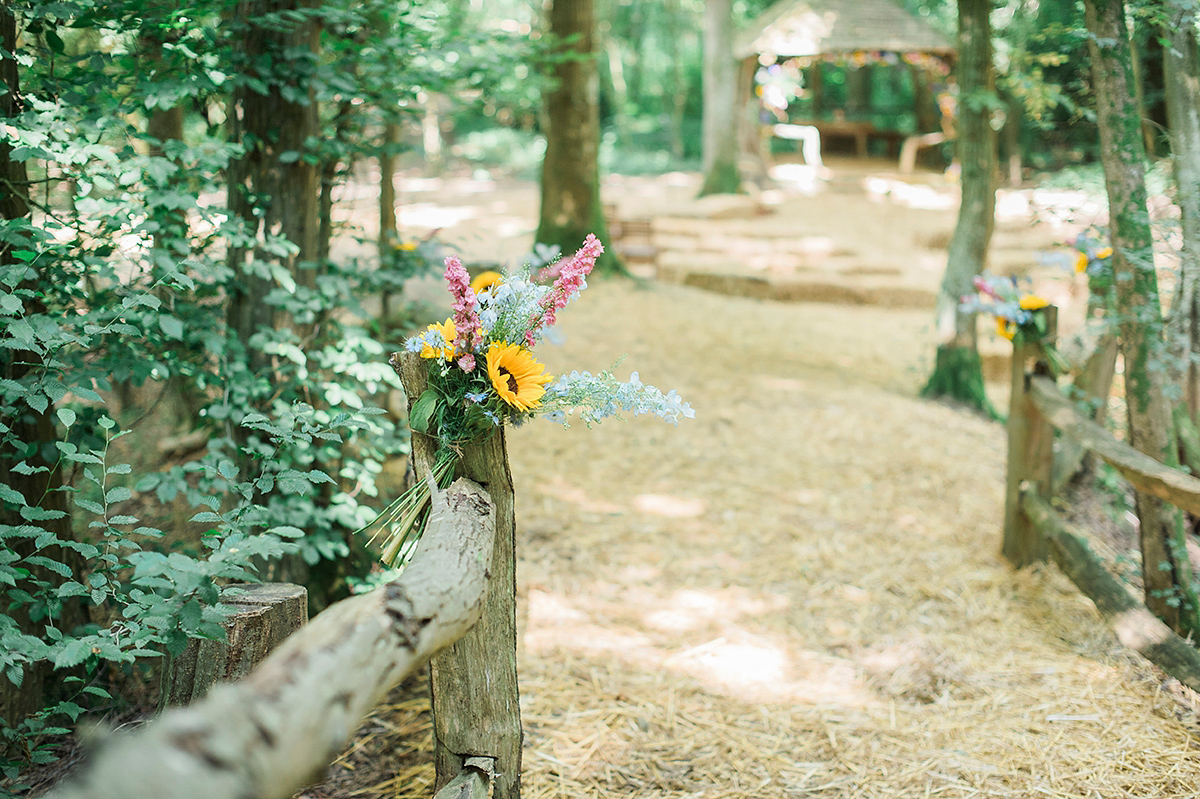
(194, 394)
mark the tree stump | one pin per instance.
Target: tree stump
(476, 710)
(264, 615)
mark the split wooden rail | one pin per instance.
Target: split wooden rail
(1033, 531)
(272, 732)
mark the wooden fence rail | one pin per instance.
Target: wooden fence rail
(269, 734)
(1033, 531)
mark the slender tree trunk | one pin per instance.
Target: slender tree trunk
(958, 371)
(1165, 569)
(1182, 79)
(389, 239)
(30, 440)
(721, 115)
(273, 190)
(571, 167)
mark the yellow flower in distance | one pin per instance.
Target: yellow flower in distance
(1081, 262)
(516, 375)
(486, 280)
(406, 245)
(1103, 252)
(1032, 302)
(1005, 328)
(449, 334)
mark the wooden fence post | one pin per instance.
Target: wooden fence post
(1030, 449)
(476, 712)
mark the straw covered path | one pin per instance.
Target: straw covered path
(797, 593)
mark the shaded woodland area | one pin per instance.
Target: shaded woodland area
(196, 393)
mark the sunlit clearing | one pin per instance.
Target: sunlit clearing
(562, 490)
(436, 216)
(671, 507)
(912, 195)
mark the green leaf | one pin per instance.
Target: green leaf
(61, 569)
(10, 494)
(423, 410)
(118, 494)
(73, 653)
(11, 304)
(171, 326)
(66, 416)
(89, 506)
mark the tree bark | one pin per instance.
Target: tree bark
(721, 115)
(267, 735)
(571, 205)
(1165, 568)
(31, 436)
(1182, 78)
(271, 188)
(476, 703)
(958, 373)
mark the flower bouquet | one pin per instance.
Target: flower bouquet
(482, 373)
(1018, 312)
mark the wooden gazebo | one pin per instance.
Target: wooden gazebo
(823, 29)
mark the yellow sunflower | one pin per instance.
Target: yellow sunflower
(486, 280)
(1005, 328)
(1103, 252)
(516, 375)
(449, 334)
(1032, 302)
(1081, 262)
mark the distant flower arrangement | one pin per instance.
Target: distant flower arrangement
(1013, 308)
(1018, 312)
(483, 373)
(1091, 255)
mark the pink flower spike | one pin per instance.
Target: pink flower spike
(984, 287)
(466, 317)
(572, 279)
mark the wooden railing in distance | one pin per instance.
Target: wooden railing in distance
(269, 734)
(1033, 531)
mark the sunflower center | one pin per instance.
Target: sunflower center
(512, 381)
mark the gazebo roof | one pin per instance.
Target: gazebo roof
(814, 27)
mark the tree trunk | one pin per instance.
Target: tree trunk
(721, 116)
(1182, 68)
(389, 238)
(571, 206)
(30, 440)
(958, 373)
(1165, 569)
(271, 188)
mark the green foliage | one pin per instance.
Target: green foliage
(113, 283)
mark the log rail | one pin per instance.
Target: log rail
(269, 734)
